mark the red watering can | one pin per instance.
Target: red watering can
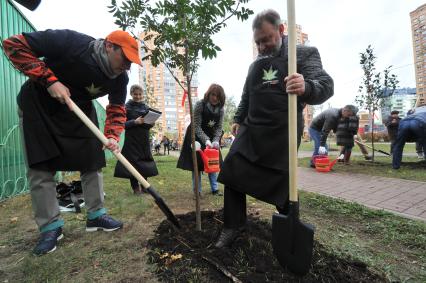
(210, 158)
(323, 163)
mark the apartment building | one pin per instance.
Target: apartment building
(418, 29)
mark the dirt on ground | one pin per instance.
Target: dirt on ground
(187, 255)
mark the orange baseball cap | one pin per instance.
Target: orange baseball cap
(127, 43)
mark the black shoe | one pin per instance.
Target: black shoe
(47, 242)
(226, 237)
(368, 158)
(312, 165)
(103, 222)
(217, 193)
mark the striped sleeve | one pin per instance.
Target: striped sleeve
(115, 119)
(24, 59)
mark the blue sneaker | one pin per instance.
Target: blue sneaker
(48, 241)
(103, 222)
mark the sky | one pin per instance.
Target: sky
(340, 29)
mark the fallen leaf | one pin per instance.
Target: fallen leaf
(13, 219)
(176, 257)
(164, 255)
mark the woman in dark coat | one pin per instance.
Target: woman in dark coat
(347, 127)
(136, 147)
(208, 120)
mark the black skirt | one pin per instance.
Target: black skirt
(137, 151)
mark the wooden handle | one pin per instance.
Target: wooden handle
(104, 141)
(292, 101)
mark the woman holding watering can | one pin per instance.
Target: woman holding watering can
(208, 120)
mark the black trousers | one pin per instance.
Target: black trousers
(134, 182)
(235, 209)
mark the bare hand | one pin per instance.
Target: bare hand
(295, 84)
(112, 145)
(139, 120)
(234, 128)
(60, 92)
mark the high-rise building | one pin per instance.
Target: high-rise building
(402, 100)
(165, 94)
(418, 29)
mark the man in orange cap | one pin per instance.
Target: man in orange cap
(78, 66)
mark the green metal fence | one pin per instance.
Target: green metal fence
(12, 167)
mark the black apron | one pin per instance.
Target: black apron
(185, 158)
(136, 147)
(55, 138)
(257, 163)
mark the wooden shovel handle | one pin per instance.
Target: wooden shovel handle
(104, 141)
(292, 102)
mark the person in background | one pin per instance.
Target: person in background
(411, 128)
(346, 129)
(392, 124)
(257, 162)
(166, 145)
(136, 146)
(323, 124)
(208, 120)
(84, 68)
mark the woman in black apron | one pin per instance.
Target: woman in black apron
(208, 120)
(136, 146)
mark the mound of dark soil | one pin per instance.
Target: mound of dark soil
(189, 255)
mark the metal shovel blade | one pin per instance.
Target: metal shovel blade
(163, 206)
(292, 241)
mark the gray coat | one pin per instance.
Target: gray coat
(319, 86)
(325, 122)
(257, 163)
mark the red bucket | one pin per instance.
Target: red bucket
(323, 164)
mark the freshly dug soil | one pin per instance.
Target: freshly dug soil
(188, 255)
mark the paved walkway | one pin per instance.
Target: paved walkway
(399, 196)
(403, 197)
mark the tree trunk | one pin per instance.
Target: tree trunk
(372, 134)
(194, 153)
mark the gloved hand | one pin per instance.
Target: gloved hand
(216, 145)
(322, 150)
(208, 143)
(341, 157)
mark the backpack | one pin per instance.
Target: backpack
(70, 196)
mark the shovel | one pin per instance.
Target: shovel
(158, 200)
(378, 150)
(292, 240)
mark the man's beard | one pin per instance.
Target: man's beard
(273, 51)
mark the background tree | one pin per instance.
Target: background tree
(230, 109)
(373, 89)
(180, 30)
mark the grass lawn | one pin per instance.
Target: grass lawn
(387, 243)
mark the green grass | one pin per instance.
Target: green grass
(411, 168)
(386, 242)
(385, 146)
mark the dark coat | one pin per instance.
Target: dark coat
(208, 121)
(136, 146)
(346, 129)
(257, 163)
(392, 125)
(55, 138)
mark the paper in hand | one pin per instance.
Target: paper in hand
(151, 116)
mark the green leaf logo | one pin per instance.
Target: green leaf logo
(270, 74)
(93, 90)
